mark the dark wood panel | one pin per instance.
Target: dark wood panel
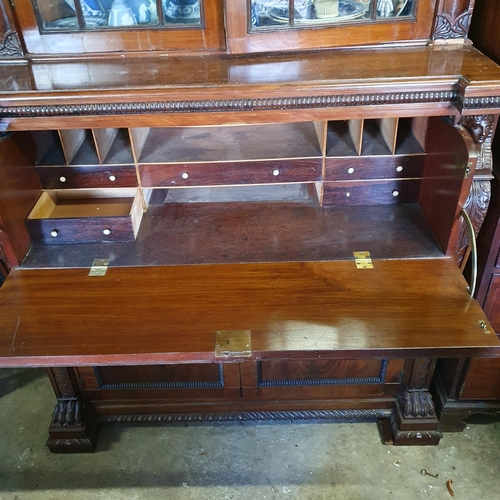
(20, 188)
(351, 193)
(87, 177)
(318, 372)
(256, 142)
(181, 376)
(212, 174)
(375, 167)
(483, 380)
(293, 310)
(451, 152)
(122, 385)
(492, 303)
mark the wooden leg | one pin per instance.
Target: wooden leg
(72, 430)
(414, 420)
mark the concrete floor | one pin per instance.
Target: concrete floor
(232, 461)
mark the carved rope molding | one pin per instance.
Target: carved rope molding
(10, 46)
(249, 416)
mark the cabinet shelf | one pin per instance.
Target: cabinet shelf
(236, 143)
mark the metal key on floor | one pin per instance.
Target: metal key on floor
(424, 472)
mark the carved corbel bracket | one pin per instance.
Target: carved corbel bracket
(453, 20)
(481, 128)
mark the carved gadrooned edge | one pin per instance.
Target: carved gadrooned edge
(226, 105)
(414, 435)
(242, 105)
(469, 103)
(10, 45)
(67, 412)
(417, 404)
(76, 445)
(248, 416)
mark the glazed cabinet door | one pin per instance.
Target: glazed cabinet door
(262, 25)
(103, 26)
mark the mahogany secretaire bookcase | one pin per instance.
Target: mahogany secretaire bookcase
(241, 209)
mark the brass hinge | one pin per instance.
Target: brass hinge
(363, 260)
(99, 267)
(233, 344)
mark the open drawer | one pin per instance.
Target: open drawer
(86, 216)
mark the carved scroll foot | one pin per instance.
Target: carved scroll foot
(72, 429)
(414, 421)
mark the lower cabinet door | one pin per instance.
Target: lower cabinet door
(214, 381)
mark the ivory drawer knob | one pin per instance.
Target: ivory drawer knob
(350, 170)
(106, 232)
(54, 233)
(276, 172)
(112, 178)
(185, 175)
(399, 168)
(62, 178)
(395, 193)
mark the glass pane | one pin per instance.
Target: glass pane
(57, 14)
(329, 12)
(62, 14)
(394, 8)
(308, 12)
(332, 11)
(182, 11)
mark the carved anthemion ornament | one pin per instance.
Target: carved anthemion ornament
(10, 45)
(453, 21)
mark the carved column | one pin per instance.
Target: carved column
(481, 128)
(414, 420)
(453, 20)
(73, 428)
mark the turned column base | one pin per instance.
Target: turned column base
(72, 430)
(414, 421)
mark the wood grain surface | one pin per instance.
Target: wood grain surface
(153, 315)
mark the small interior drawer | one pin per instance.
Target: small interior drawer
(87, 177)
(381, 192)
(86, 216)
(227, 173)
(376, 167)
